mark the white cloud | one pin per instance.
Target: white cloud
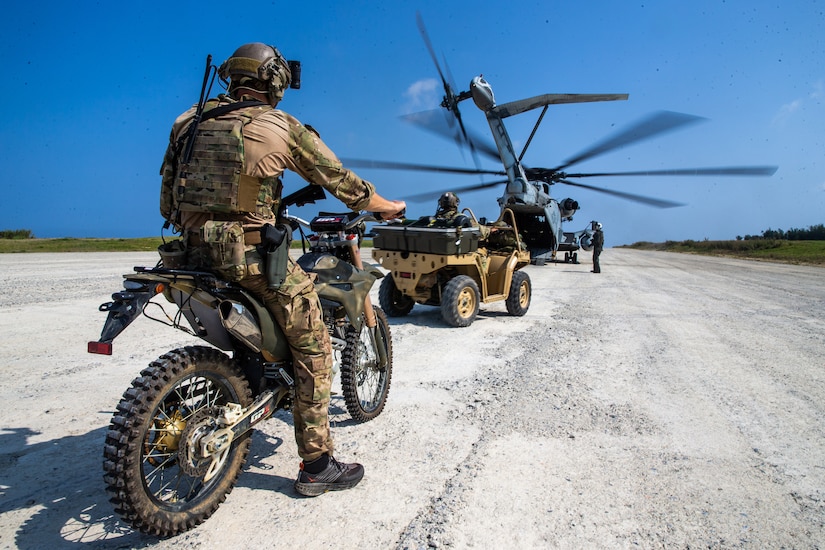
(422, 95)
(786, 111)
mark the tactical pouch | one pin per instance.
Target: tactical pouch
(274, 249)
(173, 254)
(226, 249)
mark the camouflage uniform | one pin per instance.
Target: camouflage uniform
(274, 141)
(448, 216)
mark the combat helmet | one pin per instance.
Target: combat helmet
(257, 66)
(448, 202)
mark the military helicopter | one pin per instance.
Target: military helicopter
(526, 193)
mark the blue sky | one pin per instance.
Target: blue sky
(93, 87)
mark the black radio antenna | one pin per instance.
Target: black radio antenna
(206, 87)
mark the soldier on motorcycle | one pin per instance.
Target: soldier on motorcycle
(221, 185)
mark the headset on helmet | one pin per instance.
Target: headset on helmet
(448, 201)
(260, 67)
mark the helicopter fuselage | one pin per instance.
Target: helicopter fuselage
(538, 215)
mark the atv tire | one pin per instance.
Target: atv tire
(392, 300)
(518, 300)
(460, 301)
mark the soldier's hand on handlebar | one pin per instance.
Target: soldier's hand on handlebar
(392, 215)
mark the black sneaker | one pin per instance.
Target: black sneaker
(335, 477)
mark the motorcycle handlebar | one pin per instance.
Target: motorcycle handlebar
(362, 217)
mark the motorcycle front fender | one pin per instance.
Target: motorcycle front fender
(341, 282)
(351, 294)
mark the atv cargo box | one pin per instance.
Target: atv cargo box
(430, 240)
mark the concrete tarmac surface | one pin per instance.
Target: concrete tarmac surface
(671, 401)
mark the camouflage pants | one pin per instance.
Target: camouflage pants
(297, 310)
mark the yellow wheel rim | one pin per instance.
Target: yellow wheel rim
(466, 303)
(524, 294)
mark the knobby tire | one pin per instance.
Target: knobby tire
(366, 385)
(148, 488)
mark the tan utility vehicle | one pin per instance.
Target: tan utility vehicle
(456, 268)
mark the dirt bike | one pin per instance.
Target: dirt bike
(181, 433)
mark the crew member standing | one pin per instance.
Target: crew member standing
(598, 245)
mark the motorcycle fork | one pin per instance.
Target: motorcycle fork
(369, 314)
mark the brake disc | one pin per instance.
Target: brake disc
(191, 456)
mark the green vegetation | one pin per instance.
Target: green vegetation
(20, 244)
(794, 246)
(79, 245)
(813, 233)
(16, 234)
(779, 250)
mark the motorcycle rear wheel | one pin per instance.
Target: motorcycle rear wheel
(364, 383)
(148, 484)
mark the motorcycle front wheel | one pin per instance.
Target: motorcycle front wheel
(366, 383)
(154, 483)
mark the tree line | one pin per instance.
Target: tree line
(16, 234)
(813, 233)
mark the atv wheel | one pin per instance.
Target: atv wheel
(365, 383)
(518, 301)
(459, 301)
(392, 300)
(156, 486)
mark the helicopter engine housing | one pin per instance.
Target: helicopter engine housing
(568, 207)
(586, 242)
(482, 93)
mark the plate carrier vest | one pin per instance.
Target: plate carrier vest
(214, 180)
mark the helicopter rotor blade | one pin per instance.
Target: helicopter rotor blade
(722, 171)
(650, 201)
(429, 195)
(450, 98)
(655, 124)
(423, 30)
(434, 121)
(391, 165)
(467, 140)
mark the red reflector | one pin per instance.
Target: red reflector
(405, 275)
(102, 348)
(351, 237)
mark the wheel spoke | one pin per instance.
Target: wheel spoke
(165, 479)
(364, 381)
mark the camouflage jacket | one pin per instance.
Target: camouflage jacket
(274, 142)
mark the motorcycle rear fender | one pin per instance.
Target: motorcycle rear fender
(124, 308)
